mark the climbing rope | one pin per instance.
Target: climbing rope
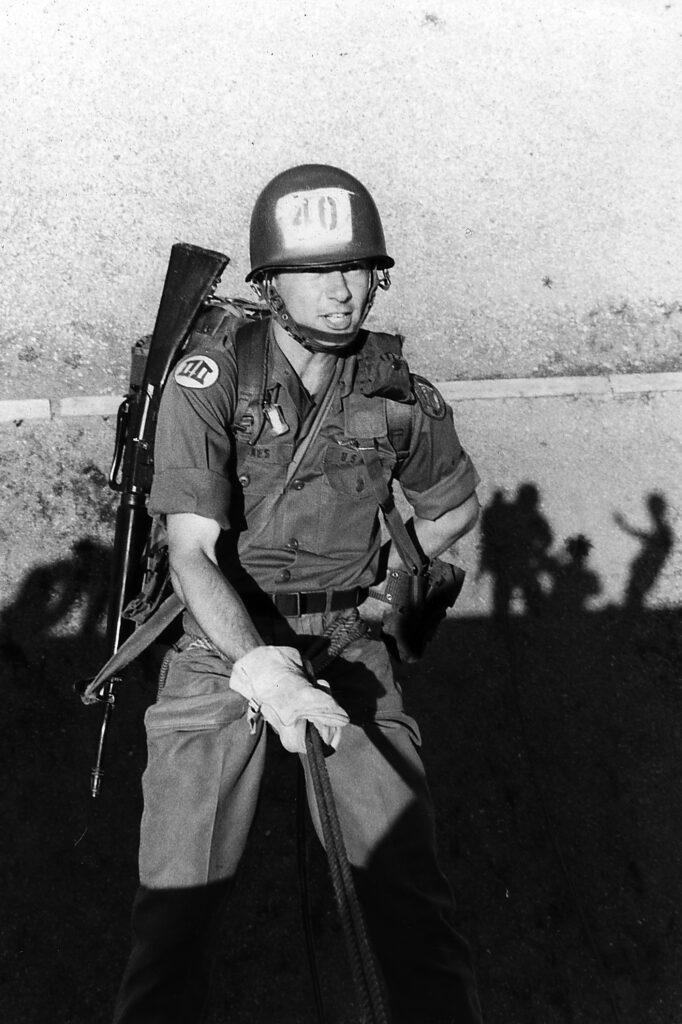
(343, 631)
(361, 957)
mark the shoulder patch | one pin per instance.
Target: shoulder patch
(196, 372)
(429, 397)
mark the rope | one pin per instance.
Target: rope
(327, 648)
(363, 967)
(304, 891)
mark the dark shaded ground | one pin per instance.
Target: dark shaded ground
(552, 742)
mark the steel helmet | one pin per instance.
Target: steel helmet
(315, 216)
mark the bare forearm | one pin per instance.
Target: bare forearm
(435, 536)
(215, 605)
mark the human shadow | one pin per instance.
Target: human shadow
(64, 858)
(567, 701)
(573, 583)
(657, 543)
(62, 601)
(515, 542)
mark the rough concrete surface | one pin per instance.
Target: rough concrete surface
(590, 459)
(549, 706)
(526, 159)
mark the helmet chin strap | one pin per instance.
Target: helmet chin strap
(327, 342)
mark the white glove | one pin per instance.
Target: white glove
(275, 682)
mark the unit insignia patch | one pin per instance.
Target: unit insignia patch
(429, 397)
(196, 372)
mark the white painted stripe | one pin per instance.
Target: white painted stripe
(549, 387)
(524, 387)
(454, 390)
(24, 409)
(89, 405)
(626, 383)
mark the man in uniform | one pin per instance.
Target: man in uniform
(271, 513)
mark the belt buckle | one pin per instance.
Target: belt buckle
(289, 604)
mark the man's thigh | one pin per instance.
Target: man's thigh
(202, 778)
(376, 774)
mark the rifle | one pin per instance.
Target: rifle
(191, 278)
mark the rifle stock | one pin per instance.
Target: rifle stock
(191, 277)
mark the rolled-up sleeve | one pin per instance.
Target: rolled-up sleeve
(437, 475)
(193, 449)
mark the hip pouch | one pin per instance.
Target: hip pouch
(419, 604)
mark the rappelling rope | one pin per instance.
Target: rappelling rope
(342, 632)
(363, 968)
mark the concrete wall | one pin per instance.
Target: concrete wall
(526, 157)
(590, 460)
(588, 457)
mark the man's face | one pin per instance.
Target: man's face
(331, 301)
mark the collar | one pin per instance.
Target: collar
(280, 371)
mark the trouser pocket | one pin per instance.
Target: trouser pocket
(202, 778)
(195, 696)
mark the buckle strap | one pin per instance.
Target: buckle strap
(412, 559)
(310, 602)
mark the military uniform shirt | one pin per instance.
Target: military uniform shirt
(319, 531)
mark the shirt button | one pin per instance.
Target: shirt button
(244, 479)
(292, 545)
(283, 577)
(298, 485)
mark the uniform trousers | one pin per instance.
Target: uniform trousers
(201, 784)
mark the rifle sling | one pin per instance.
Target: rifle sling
(316, 425)
(137, 642)
(413, 560)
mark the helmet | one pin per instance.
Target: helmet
(311, 217)
(315, 216)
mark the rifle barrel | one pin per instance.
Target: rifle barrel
(191, 278)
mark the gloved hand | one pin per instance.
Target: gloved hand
(275, 682)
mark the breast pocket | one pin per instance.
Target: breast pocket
(262, 469)
(347, 474)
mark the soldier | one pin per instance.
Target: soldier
(271, 513)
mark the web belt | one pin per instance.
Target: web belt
(307, 602)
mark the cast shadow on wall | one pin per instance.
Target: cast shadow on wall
(546, 725)
(517, 552)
